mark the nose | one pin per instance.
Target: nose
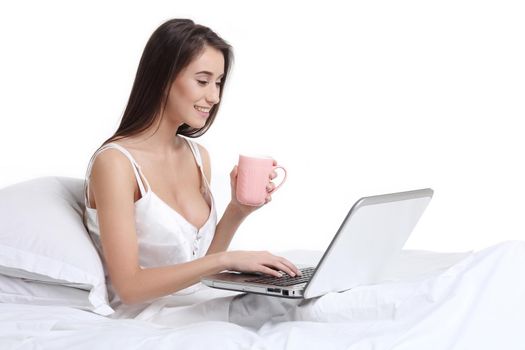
(212, 95)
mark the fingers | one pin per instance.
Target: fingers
(263, 262)
(270, 187)
(273, 175)
(290, 267)
(284, 265)
(270, 271)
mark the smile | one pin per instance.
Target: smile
(202, 109)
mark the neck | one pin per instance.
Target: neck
(160, 138)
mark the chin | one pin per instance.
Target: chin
(197, 125)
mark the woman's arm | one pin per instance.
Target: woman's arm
(226, 228)
(235, 212)
(113, 184)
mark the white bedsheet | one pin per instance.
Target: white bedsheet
(431, 301)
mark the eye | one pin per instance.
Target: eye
(204, 83)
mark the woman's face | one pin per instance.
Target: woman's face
(196, 89)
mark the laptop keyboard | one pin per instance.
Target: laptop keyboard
(285, 280)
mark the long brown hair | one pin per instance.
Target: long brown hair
(169, 50)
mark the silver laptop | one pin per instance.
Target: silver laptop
(369, 239)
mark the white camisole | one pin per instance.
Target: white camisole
(164, 236)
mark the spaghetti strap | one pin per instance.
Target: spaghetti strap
(136, 170)
(195, 150)
(197, 155)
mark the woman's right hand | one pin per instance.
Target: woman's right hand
(258, 261)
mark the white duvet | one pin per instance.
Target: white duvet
(431, 301)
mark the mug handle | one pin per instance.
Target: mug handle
(282, 181)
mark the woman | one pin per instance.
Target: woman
(148, 203)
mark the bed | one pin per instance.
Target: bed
(52, 295)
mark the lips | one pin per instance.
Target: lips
(202, 109)
(204, 112)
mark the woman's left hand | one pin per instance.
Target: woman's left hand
(248, 209)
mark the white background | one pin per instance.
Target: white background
(357, 99)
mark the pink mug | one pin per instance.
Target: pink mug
(253, 175)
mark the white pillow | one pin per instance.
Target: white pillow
(21, 291)
(43, 238)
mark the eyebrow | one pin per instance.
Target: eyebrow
(208, 73)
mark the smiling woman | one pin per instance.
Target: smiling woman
(356, 99)
(149, 208)
(205, 77)
(195, 89)
(177, 48)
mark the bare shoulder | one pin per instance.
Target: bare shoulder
(112, 174)
(111, 162)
